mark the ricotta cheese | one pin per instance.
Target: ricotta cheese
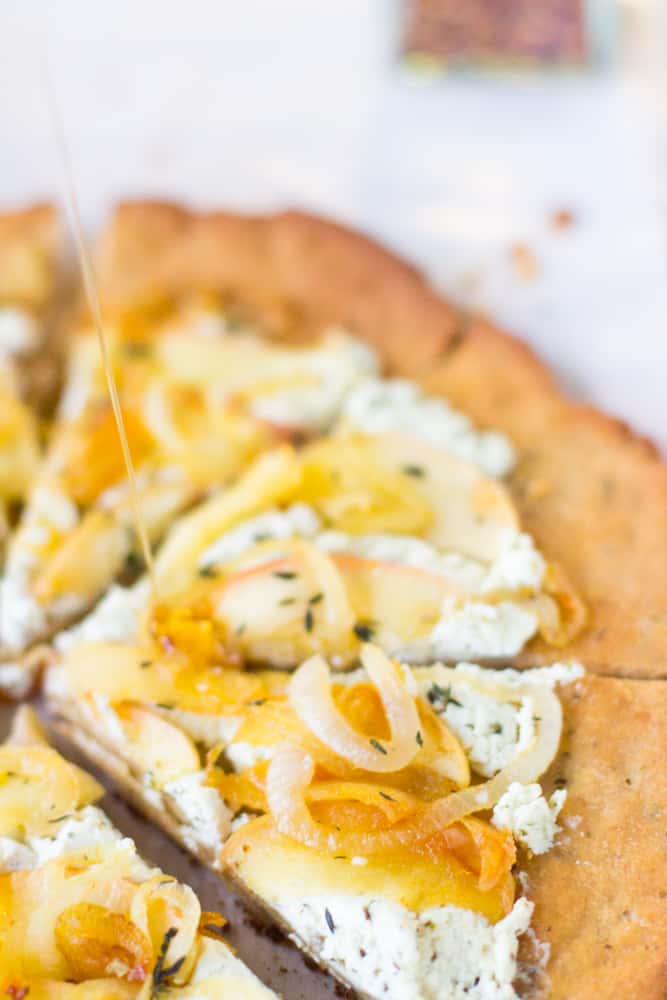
(491, 732)
(16, 679)
(299, 519)
(519, 565)
(114, 619)
(21, 617)
(205, 819)
(19, 332)
(551, 676)
(388, 951)
(474, 629)
(86, 833)
(524, 810)
(376, 406)
(333, 369)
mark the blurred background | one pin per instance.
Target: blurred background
(515, 151)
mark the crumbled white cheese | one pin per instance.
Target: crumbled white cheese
(16, 679)
(334, 368)
(206, 819)
(385, 950)
(114, 619)
(519, 566)
(19, 332)
(474, 629)
(15, 856)
(376, 406)
(87, 829)
(491, 732)
(243, 755)
(21, 617)
(555, 673)
(54, 507)
(524, 810)
(207, 729)
(299, 519)
(86, 833)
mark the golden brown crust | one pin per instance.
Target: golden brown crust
(29, 243)
(593, 494)
(601, 893)
(321, 272)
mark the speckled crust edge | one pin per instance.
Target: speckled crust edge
(316, 270)
(593, 494)
(28, 230)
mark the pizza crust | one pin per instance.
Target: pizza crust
(601, 893)
(592, 494)
(29, 246)
(312, 270)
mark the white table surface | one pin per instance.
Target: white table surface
(258, 104)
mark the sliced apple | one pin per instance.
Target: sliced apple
(38, 787)
(472, 511)
(394, 598)
(355, 489)
(154, 746)
(273, 478)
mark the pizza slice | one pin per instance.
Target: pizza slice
(580, 478)
(201, 395)
(356, 536)
(28, 252)
(81, 913)
(399, 822)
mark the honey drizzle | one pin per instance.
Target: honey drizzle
(92, 295)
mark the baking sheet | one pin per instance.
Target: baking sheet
(265, 950)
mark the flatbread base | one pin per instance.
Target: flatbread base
(601, 893)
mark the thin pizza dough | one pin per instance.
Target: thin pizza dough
(81, 913)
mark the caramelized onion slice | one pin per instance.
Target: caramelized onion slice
(168, 914)
(311, 698)
(292, 770)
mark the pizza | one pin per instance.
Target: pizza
(385, 672)
(81, 913)
(28, 264)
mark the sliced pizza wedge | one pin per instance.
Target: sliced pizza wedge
(201, 395)
(28, 269)
(593, 494)
(398, 822)
(377, 535)
(81, 913)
